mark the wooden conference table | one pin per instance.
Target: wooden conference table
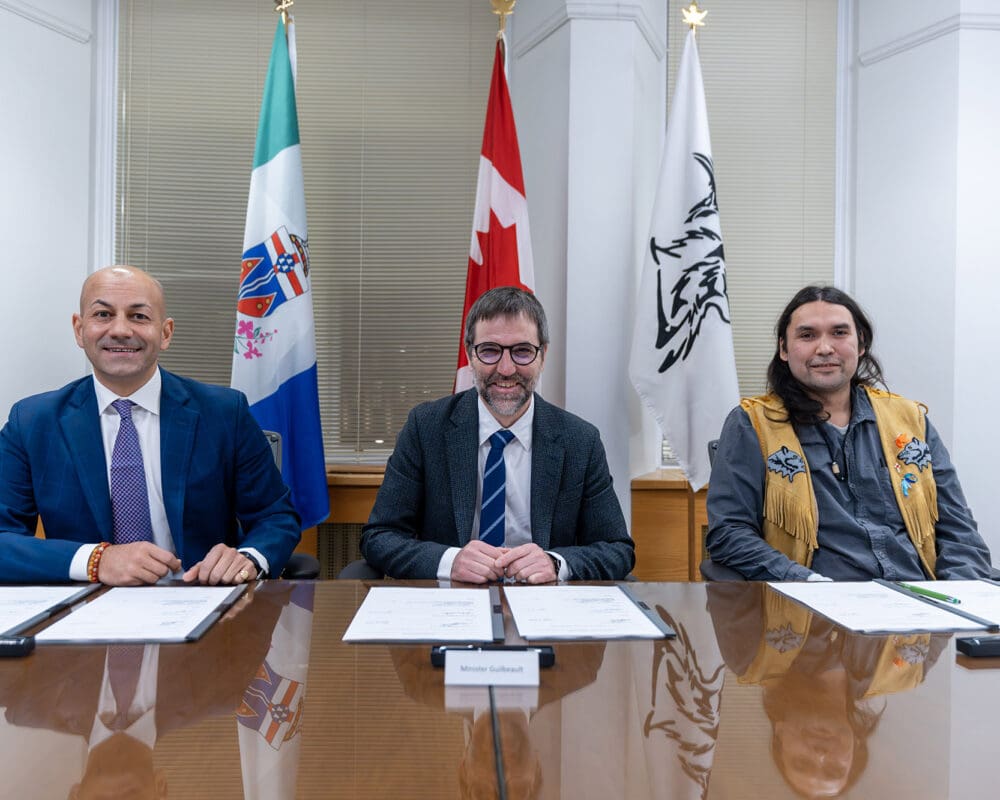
(713, 713)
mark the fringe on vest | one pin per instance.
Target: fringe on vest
(791, 519)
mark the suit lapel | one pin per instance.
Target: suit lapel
(461, 445)
(81, 427)
(547, 454)
(178, 423)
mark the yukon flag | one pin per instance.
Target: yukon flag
(682, 361)
(274, 353)
(500, 253)
(269, 718)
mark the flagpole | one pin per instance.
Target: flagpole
(694, 17)
(503, 9)
(282, 7)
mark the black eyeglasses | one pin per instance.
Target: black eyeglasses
(522, 354)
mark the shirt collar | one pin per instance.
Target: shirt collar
(143, 730)
(521, 429)
(861, 408)
(146, 396)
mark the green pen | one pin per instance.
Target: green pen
(928, 593)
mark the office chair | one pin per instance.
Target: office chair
(300, 566)
(710, 571)
(359, 570)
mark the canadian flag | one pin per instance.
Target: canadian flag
(500, 253)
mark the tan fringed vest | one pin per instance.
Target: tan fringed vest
(790, 516)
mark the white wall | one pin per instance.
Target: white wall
(977, 273)
(45, 161)
(925, 258)
(588, 87)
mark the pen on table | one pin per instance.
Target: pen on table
(929, 593)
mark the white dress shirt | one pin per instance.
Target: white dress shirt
(517, 489)
(146, 416)
(143, 706)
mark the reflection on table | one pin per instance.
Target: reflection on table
(756, 697)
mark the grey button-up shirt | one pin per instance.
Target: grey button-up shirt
(861, 531)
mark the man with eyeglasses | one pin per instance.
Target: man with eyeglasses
(558, 515)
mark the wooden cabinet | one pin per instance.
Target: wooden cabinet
(352, 491)
(668, 521)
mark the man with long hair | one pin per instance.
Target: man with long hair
(829, 476)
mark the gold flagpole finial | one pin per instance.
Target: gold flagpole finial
(693, 16)
(283, 7)
(503, 9)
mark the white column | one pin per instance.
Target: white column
(924, 171)
(588, 82)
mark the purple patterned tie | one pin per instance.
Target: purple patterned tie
(129, 499)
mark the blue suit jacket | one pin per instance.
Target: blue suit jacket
(220, 482)
(428, 496)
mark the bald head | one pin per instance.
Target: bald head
(126, 276)
(122, 326)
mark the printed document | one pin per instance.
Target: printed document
(23, 606)
(578, 612)
(869, 607)
(143, 614)
(408, 614)
(981, 598)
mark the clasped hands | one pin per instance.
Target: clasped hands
(479, 562)
(144, 563)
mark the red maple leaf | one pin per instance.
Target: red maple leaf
(500, 265)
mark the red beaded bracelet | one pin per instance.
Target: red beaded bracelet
(93, 563)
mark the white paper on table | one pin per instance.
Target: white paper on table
(408, 614)
(21, 606)
(869, 607)
(981, 598)
(143, 614)
(578, 612)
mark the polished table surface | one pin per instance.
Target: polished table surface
(755, 698)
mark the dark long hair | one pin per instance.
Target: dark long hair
(803, 409)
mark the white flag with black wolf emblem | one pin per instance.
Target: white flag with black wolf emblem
(682, 361)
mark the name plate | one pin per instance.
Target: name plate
(491, 668)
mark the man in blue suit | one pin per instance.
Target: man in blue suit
(561, 516)
(217, 506)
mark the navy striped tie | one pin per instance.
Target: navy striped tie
(491, 518)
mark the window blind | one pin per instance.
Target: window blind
(391, 98)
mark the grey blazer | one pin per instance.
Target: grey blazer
(427, 500)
